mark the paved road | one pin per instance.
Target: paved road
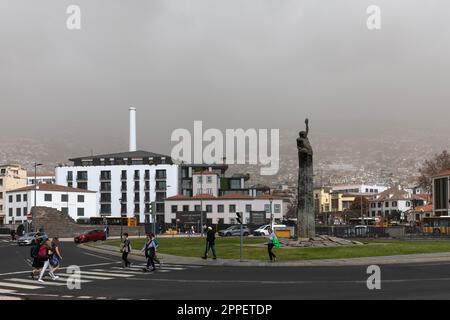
(104, 279)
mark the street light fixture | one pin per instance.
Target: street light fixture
(35, 193)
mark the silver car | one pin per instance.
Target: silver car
(235, 231)
(27, 239)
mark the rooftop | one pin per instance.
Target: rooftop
(121, 155)
(51, 188)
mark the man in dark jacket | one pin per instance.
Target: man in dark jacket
(210, 243)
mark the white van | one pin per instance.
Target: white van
(263, 230)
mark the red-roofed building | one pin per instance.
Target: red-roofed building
(220, 209)
(77, 203)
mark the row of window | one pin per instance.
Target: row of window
(106, 186)
(105, 208)
(20, 211)
(386, 204)
(221, 208)
(48, 197)
(106, 175)
(208, 179)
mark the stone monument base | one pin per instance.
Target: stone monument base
(318, 241)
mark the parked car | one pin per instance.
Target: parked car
(235, 231)
(263, 230)
(27, 238)
(94, 235)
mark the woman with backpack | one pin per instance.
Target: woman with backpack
(55, 259)
(37, 263)
(150, 252)
(45, 252)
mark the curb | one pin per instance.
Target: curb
(364, 261)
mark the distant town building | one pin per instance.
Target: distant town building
(222, 209)
(11, 177)
(395, 199)
(41, 178)
(77, 203)
(358, 188)
(441, 194)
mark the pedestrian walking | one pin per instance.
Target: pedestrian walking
(37, 263)
(210, 243)
(125, 250)
(272, 239)
(55, 259)
(149, 250)
(45, 251)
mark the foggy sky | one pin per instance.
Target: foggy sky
(230, 63)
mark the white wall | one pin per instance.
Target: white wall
(257, 205)
(89, 203)
(214, 185)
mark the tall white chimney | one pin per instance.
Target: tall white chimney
(132, 129)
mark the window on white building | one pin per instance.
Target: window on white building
(48, 197)
(80, 198)
(18, 212)
(220, 208)
(209, 179)
(199, 179)
(174, 209)
(248, 208)
(277, 208)
(232, 208)
(267, 208)
(80, 212)
(64, 198)
(18, 198)
(65, 210)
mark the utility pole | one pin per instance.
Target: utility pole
(35, 194)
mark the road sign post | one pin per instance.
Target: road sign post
(239, 219)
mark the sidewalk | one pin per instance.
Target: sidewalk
(382, 260)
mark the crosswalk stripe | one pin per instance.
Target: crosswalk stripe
(19, 286)
(85, 276)
(64, 279)
(46, 283)
(5, 291)
(107, 274)
(141, 270)
(163, 267)
(136, 271)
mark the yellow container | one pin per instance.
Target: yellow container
(283, 233)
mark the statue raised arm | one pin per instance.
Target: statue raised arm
(303, 144)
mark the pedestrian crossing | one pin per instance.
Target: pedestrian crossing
(21, 284)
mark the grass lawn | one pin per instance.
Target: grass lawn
(254, 249)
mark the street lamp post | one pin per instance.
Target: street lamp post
(121, 220)
(35, 194)
(271, 214)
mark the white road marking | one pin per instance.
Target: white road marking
(5, 291)
(85, 276)
(106, 273)
(46, 283)
(19, 286)
(64, 279)
(84, 297)
(161, 268)
(85, 266)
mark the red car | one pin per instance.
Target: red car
(94, 235)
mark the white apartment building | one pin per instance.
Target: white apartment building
(127, 183)
(358, 188)
(223, 209)
(77, 203)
